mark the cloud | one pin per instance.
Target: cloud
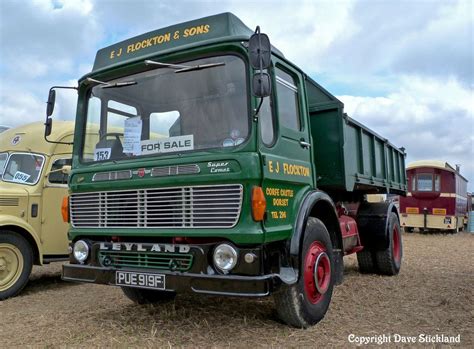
(431, 118)
(431, 38)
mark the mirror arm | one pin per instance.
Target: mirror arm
(258, 109)
(56, 142)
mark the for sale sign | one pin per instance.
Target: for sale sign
(167, 145)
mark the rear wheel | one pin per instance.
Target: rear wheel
(145, 296)
(306, 302)
(388, 261)
(366, 261)
(16, 261)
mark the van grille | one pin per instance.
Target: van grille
(8, 201)
(216, 206)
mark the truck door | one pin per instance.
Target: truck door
(53, 229)
(285, 145)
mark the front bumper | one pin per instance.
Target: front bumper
(227, 285)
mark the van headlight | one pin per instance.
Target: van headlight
(225, 257)
(80, 251)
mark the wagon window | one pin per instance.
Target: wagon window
(437, 185)
(424, 182)
(413, 183)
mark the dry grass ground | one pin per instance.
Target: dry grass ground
(433, 294)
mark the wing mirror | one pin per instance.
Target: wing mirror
(260, 58)
(48, 125)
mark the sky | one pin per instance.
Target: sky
(403, 68)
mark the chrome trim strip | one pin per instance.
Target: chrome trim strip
(112, 176)
(175, 170)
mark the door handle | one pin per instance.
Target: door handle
(304, 144)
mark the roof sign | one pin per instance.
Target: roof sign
(200, 31)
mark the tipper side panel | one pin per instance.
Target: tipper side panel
(348, 155)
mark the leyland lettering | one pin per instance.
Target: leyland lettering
(233, 195)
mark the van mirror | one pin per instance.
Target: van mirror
(50, 102)
(259, 50)
(261, 85)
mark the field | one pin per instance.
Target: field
(432, 295)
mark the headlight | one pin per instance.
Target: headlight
(80, 251)
(225, 257)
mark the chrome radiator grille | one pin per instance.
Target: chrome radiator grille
(216, 206)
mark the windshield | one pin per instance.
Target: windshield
(167, 111)
(23, 168)
(3, 160)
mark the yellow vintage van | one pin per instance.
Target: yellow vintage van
(33, 182)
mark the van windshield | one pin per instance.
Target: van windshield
(166, 111)
(23, 168)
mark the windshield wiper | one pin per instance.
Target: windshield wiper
(200, 67)
(109, 85)
(184, 68)
(169, 65)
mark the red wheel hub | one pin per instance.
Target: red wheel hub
(317, 272)
(396, 248)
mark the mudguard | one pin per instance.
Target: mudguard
(25, 229)
(372, 221)
(332, 224)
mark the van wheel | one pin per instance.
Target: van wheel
(306, 302)
(389, 260)
(16, 261)
(145, 296)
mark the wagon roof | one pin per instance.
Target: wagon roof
(434, 164)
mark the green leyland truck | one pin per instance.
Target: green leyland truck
(204, 161)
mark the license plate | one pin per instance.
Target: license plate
(142, 280)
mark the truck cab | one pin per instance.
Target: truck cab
(32, 186)
(205, 161)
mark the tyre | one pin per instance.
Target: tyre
(16, 261)
(388, 261)
(306, 302)
(145, 296)
(366, 261)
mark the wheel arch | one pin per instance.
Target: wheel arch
(319, 205)
(30, 238)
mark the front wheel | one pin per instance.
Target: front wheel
(306, 302)
(145, 296)
(16, 261)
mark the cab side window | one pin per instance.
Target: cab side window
(58, 177)
(267, 130)
(287, 97)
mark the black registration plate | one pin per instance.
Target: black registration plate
(141, 280)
